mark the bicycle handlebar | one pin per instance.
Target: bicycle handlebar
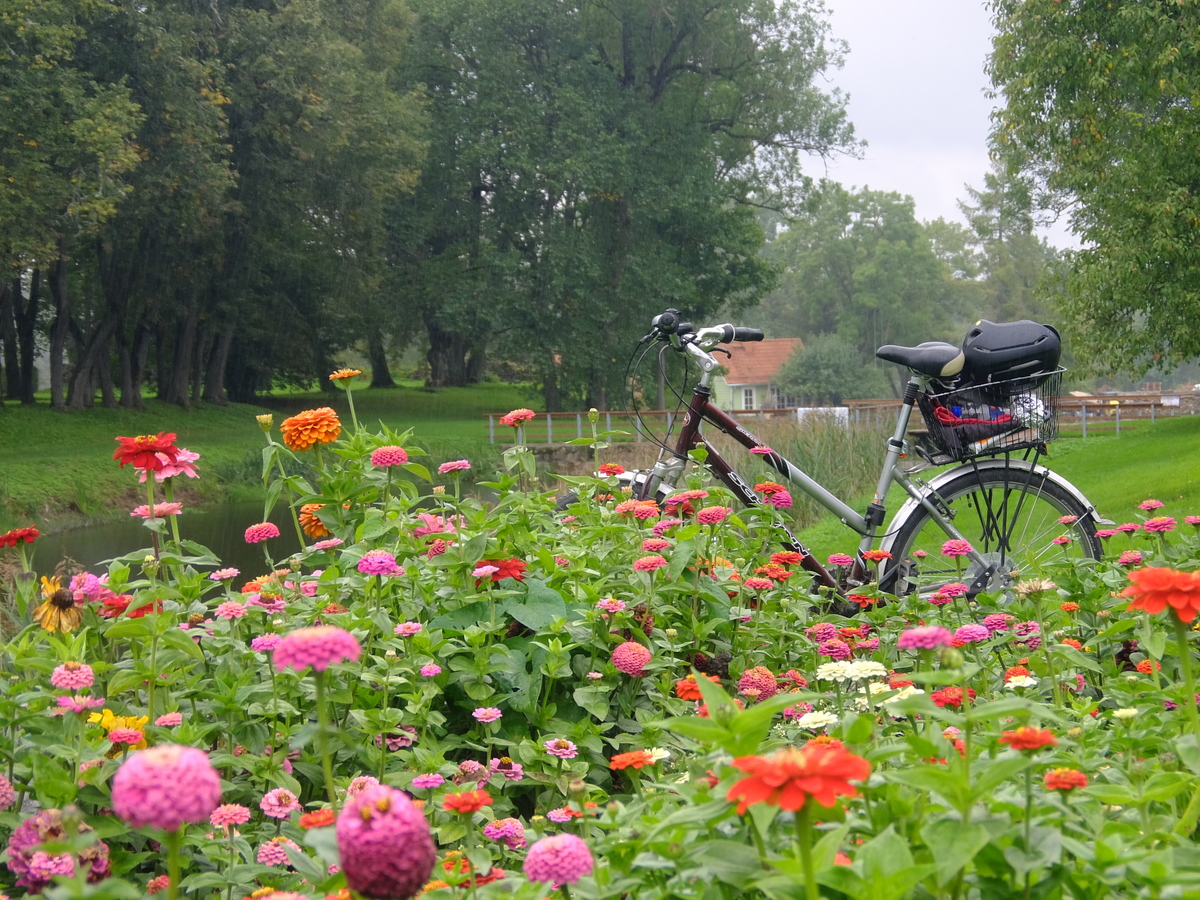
(670, 322)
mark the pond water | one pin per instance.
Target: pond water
(221, 528)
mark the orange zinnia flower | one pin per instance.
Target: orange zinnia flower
(634, 759)
(318, 818)
(345, 373)
(467, 802)
(312, 526)
(788, 778)
(1029, 738)
(687, 689)
(1154, 589)
(313, 426)
(1064, 779)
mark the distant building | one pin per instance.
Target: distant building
(749, 381)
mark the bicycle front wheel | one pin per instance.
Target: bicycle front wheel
(1011, 514)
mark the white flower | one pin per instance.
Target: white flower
(1132, 678)
(1125, 714)
(658, 754)
(862, 669)
(1020, 681)
(839, 670)
(904, 693)
(817, 720)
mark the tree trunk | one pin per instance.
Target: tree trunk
(550, 391)
(137, 368)
(214, 380)
(181, 364)
(381, 376)
(92, 366)
(62, 325)
(204, 345)
(8, 336)
(104, 376)
(26, 312)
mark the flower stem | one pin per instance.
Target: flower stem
(1189, 681)
(323, 738)
(350, 400)
(804, 841)
(173, 842)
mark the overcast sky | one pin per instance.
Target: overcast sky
(915, 76)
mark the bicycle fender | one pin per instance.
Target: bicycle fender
(911, 506)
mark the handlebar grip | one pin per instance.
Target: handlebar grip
(737, 333)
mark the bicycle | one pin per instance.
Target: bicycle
(1010, 509)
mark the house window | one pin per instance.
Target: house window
(748, 398)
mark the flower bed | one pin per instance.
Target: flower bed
(623, 701)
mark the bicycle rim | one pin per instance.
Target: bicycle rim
(1010, 518)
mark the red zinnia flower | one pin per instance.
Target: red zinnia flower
(517, 417)
(1028, 738)
(1154, 589)
(789, 777)
(877, 555)
(611, 469)
(506, 568)
(142, 452)
(951, 696)
(467, 802)
(634, 759)
(28, 534)
(687, 689)
(787, 558)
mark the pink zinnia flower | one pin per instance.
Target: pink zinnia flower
(835, 649)
(73, 676)
(230, 609)
(957, 589)
(160, 510)
(169, 720)
(1151, 504)
(319, 647)
(759, 584)
(1068, 520)
(428, 782)
(1129, 527)
(822, 631)
(457, 465)
(265, 643)
(430, 670)
(1062, 540)
(408, 629)
(561, 748)
(166, 787)
(713, 515)
(997, 622)
(663, 525)
(485, 571)
(1130, 558)
(384, 843)
(972, 634)
(274, 851)
(840, 559)
(7, 795)
(928, 637)
(1106, 533)
(224, 575)
(559, 859)
(360, 784)
(610, 605)
(379, 562)
(631, 658)
(184, 464)
(76, 703)
(263, 531)
(510, 831)
(328, 544)
(778, 499)
(230, 814)
(656, 545)
(956, 547)
(649, 563)
(126, 736)
(487, 714)
(762, 451)
(279, 803)
(389, 455)
(158, 884)
(1160, 524)
(560, 816)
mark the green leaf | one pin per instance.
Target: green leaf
(180, 640)
(732, 862)
(681, 558)
(542, 605)
(950, 784)
(1188, 751)
(462, 618)
(953, 845)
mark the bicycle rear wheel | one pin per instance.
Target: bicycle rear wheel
(1011, 514)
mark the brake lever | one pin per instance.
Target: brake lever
(721, 350)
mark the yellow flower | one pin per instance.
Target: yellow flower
(58, 612)
(345, 373)
(108, 721)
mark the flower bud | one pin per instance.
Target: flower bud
(150, 565)
(439, 489)
(265, 421)
(593, 415)
(671, 633)
(577, 789)
(951, 658)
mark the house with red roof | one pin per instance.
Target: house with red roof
(750, 373)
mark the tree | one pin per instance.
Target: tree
(860, 265)
(1099, 108)
(827, 370)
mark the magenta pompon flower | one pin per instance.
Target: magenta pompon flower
(384, 843)
(956, 547)
(631, 658)
(430, 670)
(389, 455)
(971, 634)
(559, 859)
(778, 499)
(928, 637)
(319, 647)
(379, 562)
(265, 643)
(73, 676)
(428, 781)
(840, 559)
(7, 795)
(263, 531)
(166, 787)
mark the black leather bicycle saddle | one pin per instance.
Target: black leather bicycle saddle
(934, 358)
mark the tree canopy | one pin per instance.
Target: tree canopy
(1100, 108)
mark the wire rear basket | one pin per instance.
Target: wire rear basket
(988, 419)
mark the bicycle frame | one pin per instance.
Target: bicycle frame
(701, 409)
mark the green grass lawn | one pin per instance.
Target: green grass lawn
(56, 467)
(1115, 473)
